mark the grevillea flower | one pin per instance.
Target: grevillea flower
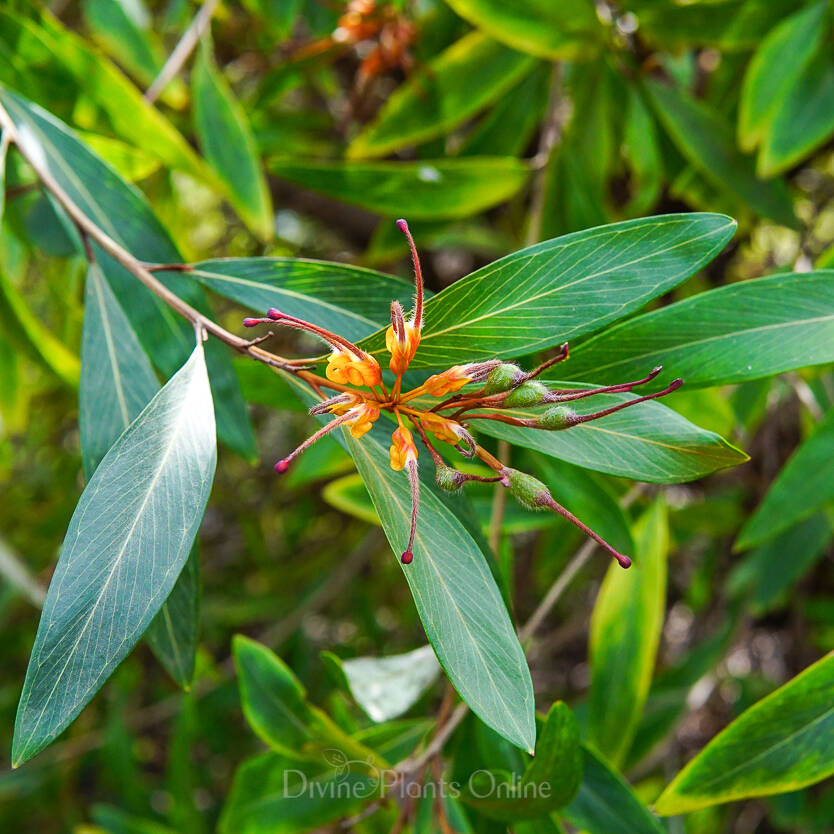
(497, 389)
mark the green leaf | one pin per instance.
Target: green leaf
(625, 632)
(728, 25)
(276, 794)
(117, 380)
(648, 442)
(549, 782)
(125, 216)
(566, 31)
(742, 331)
(226, 139)
(131, 163)
(459, 603)
(23, 327)
(348, 300)
(605, 803)
(766, 576)
(706, 140)
(456, 595)
(348, 495)
(385, 687)
(782, 743)
(557, 290)
(805, 121)
(803, 486)
(53, 52)
(174, 632)
(468, 76)
(126, 544)
(773, 71)
(276, 708)
(427, 190)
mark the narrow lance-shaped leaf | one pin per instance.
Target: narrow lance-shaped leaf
(348, 300)
(121, 211)
(706, 140)
(782, 743)
(126, 544)
(803, 486)
(566, 30)
(743, 331)
(465, 78)
(227, 142)
(549, 781)
(557, 290)
(774, 68)
(456, 595)
(625, 633)
(427, 190)
(605, 803)
(647, 442)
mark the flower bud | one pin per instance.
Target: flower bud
(448, 479)
(528, 393)
(502, 378)
(558, 417)
(528, 491)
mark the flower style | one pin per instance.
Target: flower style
(497, 391)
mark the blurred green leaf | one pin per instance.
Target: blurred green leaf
(774, 69)
(125, 216)
(766, 576)
(625, 632)
(562, 288)
(133, 164)
(803, 486)
(385, 687)
(509, 125)
(568, 30)
(348, 300)
(805, 121)
(349, 495)
(227, 142)
(280, 15)
(742, 331)
(430, 189)
(23, 327)
(464, 79)
(648, 442)
(605, 803)
(53, 52)
(782, 743)
(276, 708)
(123, 28)
(549, 782)
(706, 140)
(126, 544)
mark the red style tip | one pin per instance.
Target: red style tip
(407, 556)
(624, 561)
(402, 226)
(274, 313)
(251, 322)
(282, 466)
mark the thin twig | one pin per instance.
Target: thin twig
(176, 60)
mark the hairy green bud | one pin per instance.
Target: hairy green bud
(558, 417)
(528, 491)
(448, 479)
(502, 378)
(528, 393)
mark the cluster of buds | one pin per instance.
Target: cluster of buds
(444, 408)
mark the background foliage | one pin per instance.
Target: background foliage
(509, 124)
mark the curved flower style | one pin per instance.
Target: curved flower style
(363, 396)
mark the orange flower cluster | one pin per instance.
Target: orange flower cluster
(363, 396)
